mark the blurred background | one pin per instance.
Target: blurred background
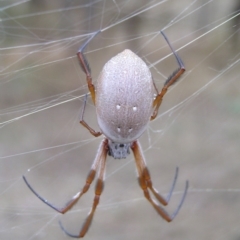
(42, 89)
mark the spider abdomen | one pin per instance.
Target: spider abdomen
(124, 97)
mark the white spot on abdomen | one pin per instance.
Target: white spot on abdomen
(130, 129)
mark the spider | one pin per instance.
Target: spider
(125, 104)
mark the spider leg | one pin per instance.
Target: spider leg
(85, 66)
(91, 130)
(89, 180)
(145, 183)
(170, 81)
(98, 192)
(148, 180)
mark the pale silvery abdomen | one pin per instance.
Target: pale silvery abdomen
(124, 97)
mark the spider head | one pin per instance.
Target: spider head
(118, 150)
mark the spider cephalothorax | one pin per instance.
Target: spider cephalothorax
(118, 150)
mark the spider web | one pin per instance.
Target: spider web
(41, 93)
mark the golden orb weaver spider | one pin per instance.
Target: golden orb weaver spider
(125, 104)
